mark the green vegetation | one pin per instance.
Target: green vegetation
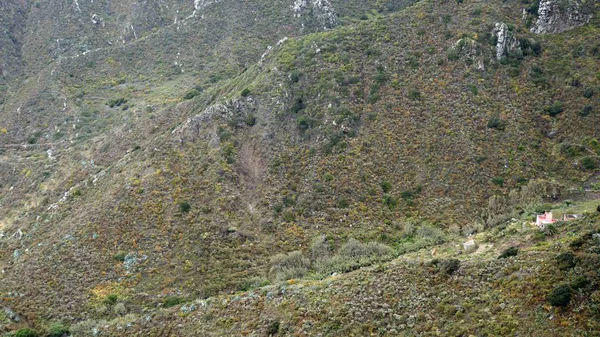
(120, 256)
(566, 260)
(495, 122)
(116, 102)
(512, 251)
(173, 301)
(58, 330)
(554, 109)
(111, 299)
(26, 332)
(245, 92)
(184, 207)
(191, 94)
(560, 296)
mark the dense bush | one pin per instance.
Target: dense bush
(447, 267)
(298, 105)
(586, 110)
(295, 76)
(111, 299)
(184, 207)
(245, 92)
(386, 186)
(58, 330)
(554, 109)
(498, 181)
(560, 296)
(273, 328)
(288, 266)
(319, 248)
(172, 301)
(250, 120)
(495, 122)
(588, 163)
(414, 95)
(579, 282)
(191, 94)
(116, 102)
(353, 255)
(566, 260)
(512, 251)
(120, 256)
(588, 93)
(26, 332)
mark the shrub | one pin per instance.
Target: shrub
(353, 255)
(414, 95)
(120, 309)
(579, 282)
(498, 181)
(407, 195)
(380, 77)
(447, 267)
(288, 266)
(26, 332)
(560, 296)
(343, 203)
(250, 120)
(390, 201)
(253, 283)
(245, 92)
(554, 109)
(172, 301)
(298, 105)
(58, 330)
(452, 54)
(273, 328)
(586, 110)
(354, 249)
(191, 94)
(319, 248)
(598, 209)
(116, 102)
(577, 242)
(120, 256)
(386, 186)
(495, 122)
(184, 207)
(429, 234)
(304, 123)
(588, 163)
(512, 251)
(295, 76)
(566, 260)
(473, 89)
(588, 93)
(111, 299)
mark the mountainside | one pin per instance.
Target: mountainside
(164, 151)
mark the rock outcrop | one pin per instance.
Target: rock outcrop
(506, 42)
(322, 10)
(555, 17)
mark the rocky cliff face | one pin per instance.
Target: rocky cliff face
(506, 42)
(559, 16)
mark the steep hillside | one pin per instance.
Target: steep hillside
(176, 161)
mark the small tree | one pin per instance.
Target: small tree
(184, 207)
(512, 251)
(561, 296)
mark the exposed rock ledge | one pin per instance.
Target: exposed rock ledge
(559, 16)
